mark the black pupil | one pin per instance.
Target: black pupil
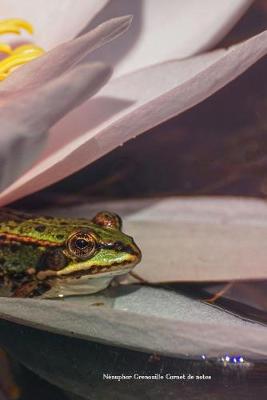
(81, 243)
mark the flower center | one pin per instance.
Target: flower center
(19, 55)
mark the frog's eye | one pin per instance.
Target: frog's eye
(53, 259)
(108, 220)
(82, 244)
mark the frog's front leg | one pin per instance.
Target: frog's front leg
(27, 285)
(25, 289)
(33, 288)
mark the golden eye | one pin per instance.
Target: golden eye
(82, 244)
(108, 220)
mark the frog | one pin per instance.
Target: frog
(55, 257)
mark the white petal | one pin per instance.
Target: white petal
(54, 21)
(25, 117)
(65, 56)
(204, 240)
(130, 105)
(162, 30)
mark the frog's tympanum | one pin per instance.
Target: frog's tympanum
(57, 257)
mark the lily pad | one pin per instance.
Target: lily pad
(145, 319)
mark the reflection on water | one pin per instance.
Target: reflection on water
(91, 370)
(246, 300)
(78, 366)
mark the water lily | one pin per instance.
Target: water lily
(152, 81)
(161, 68)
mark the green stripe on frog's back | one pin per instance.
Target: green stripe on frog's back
(16, 230)
(26, 228)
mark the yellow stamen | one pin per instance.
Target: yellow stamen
(28, 49)
(15, 25)
(13, 61)
(5, 48)
(20, 55)
(3, 76)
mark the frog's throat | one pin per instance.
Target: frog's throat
(84, 284)
(74, 287)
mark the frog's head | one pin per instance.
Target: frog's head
(93, 249)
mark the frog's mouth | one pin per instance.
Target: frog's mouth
(108, 265)
(89, 276)
(84, 282)
(116, 268)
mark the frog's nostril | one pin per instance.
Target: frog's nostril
(119, 246)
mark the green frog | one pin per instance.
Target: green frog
(54, 257)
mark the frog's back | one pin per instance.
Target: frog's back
(24, 238)
(18, 225)
(52, 231)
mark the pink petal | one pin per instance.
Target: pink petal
(25, 117)
(131, 105)
(54, 21)
(65, 56)
(163, 30)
